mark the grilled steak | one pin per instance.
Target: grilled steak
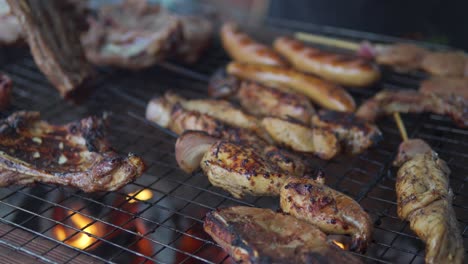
(255, 235)
(133, 34)
(354, 134)
(52, 30)
(5, 91)
(331, 211)
(75, 154)
(409, 101)
(424, 198)
(197, 36)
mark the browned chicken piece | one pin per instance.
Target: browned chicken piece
(6, 87)
(424, 198)
(263, 101)
(409, 101)
(331, 211)
(242, 170)
(402, 56)
(446, 87)
(255, 235)
(354, 134)
(219, 109)
(76, 154)
(317, 141)
(448, 64)
(52, 31)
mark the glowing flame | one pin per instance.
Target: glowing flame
(339, 244)
(142, 195)
(81, 240)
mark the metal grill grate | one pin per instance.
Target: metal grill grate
(168, 227)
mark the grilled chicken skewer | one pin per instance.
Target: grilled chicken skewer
(255, 235)
(424, 198)
(331, 211)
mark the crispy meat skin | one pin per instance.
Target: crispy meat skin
(331, 211)
(409, 101)
(255, 235)
(5, 91)
(52, 29)
(424, 198)
(133, 34)
(446, 87)
(75, 154)
(354, 134)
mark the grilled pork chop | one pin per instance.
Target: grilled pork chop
(255, 235)
(354, 134)
(52, 30)
(331, 211)
(424, 198)
(133, 34)
(76, 154)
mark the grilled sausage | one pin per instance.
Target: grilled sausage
(321, 92)
(339, 68)
(242, 48)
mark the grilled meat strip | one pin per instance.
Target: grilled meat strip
(331, 211)
(75, 154)
(409, 101)
(5, 91)
(320, 142)
(445, 87)
(354, 134)
(255, 235)
(424, 198)
(197, 36)
(52, 30)
(133, 34)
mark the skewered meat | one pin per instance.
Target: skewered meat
(191, 146)
(402, 56)
(242, 170)
(133, 34)
(219, 109)
(242, 48)
(222, 84)
(75, 154)
(5, 91)
(424, 198)
(10, 28)
(255, 235)
(409, 101)
(324, 93)
(448, 64)
(331, 211)
(197, 32)
(338, 68)
(320, 142)
(445, 87)
(354, 134)
(52, 29)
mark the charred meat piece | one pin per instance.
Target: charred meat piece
(197, 36)
(132, 34)
(448, 64)
(424, 198)
(5, 91)
(263, 101)
(331, 211)
(255, 235)
(409, 101)
(320, 142)
(242, 170)
(354, 134)
(446, 87)
(52, 30)
(75, 154)
(10, 28)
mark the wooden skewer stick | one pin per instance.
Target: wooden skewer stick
(328, 41)
(401, 126)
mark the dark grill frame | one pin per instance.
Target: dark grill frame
(180, 200)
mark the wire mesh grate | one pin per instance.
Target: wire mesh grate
(167, 228)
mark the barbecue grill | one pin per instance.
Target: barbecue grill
(158, 218)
